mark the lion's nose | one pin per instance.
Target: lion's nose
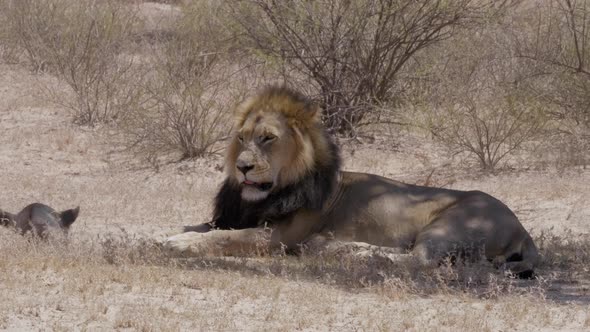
(244, 167)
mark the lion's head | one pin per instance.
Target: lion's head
(277, 140)
(280, 158)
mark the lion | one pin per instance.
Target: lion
(39, 219)
(284, 185)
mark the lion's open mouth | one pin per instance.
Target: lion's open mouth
(264, 186)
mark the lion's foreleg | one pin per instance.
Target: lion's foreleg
(219, 243)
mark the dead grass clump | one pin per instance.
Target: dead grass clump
(20, 20)
(126, 249)
(394, 280)
(9, 50)
(61, 251)
(568, 254)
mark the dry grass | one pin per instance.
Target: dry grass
(128, 282)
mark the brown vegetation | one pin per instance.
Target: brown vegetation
(489, 78)
(501, 87)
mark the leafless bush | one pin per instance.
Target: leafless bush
(488, 132)
(475, 101)
(24, 25)
(189, 91)
(9, 49)
(80, 42)
(555, 39)
(352, 51)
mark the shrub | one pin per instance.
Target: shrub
(81, 43)
(488, 132)
(351, 51)
(9, 49)
(555, 42)
(475, 100)
(188, 92)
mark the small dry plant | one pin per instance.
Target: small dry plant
(477, 105)
(24, 25)
(188, 93)
(81, 42)
(10, 52)
(488, 132)
(568, 253)
(554, 41)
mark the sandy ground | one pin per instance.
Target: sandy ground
(45, 158)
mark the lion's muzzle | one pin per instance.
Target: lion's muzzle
(247, 161)
(243, 167)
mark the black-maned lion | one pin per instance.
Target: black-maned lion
(284, 178)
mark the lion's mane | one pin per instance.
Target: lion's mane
(310, 192)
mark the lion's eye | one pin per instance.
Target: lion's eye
(267, 138)
(240, 138)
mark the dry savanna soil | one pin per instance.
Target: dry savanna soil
(113, 275)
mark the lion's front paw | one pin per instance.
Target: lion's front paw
(183, 243)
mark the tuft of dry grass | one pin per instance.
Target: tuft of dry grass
(566, 257)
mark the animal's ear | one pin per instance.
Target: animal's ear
(242, 110)
(309, 115)
(69, 216)
(315, 112)
(6, 219)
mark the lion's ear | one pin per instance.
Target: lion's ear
(316, 113)
(242, 109)
(309, 115)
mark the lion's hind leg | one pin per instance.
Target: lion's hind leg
(520, 263)
(519, 268)
(478, 228)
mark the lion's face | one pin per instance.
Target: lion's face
(270, 147)
(264, 147)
